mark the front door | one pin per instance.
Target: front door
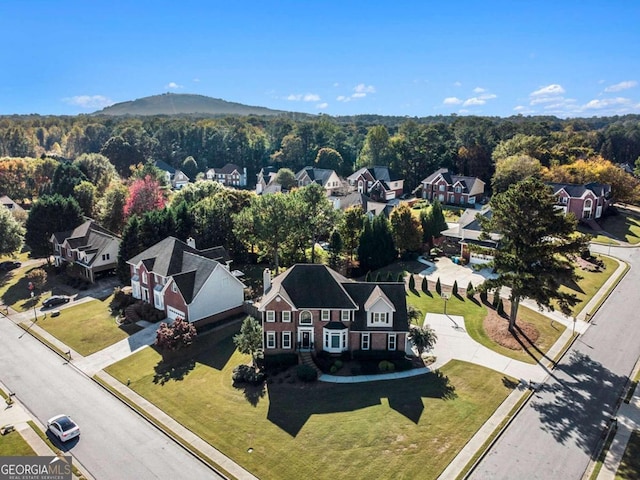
(306, 340)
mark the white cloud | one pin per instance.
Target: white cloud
(307, 97)
(474, 101)
(457, 84)
(172, 85)
(548, 91)
(479, 90)
(359, 95)
(488, 96)
(336, 84)
(621, 86)
(89, 101)
(605, 103)
(452, 101)
(519, 108)
(362, 88)
(322, 105)
(342, 98)
(197, 80)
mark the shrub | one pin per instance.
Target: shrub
(247, 374)
(470, 290)
(378, 277)
(402, 364)
(386, 366)
(400, 278)
(280, 360)
(438, 287)
(389, 277)
(333, 369)
(377, 355)
(483, 295)
(306, 373)
(179, 334)
(412, 282)
(338, 364)
(367, 278)
(425, 285)
(454, 289)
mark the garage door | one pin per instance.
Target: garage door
(174, 313)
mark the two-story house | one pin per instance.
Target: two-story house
(266, 181)
(230, 175)
(328, 179)
(174, 177)
(586, 202)
(378, 182)
(311, 307)
(452, 189)
(89, 247)
(465, 238)
(184, 282)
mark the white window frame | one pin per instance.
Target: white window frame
(441, 187)
(325, 315)
(392, 342)
(379, 318)
(286, 316)
(305, 312)
(345, 316)
(271, 340)
(270, 316)
(174, 287)
(365, 341)
(145, 277)
(286, 340)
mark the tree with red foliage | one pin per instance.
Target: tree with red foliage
(175, 336)
(144, 195)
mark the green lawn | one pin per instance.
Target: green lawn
(409, 428)
(629, 468)
(590, 282)
(13, 445)
(625, 227)
(15, 293)
(86, 328)
(474, 314)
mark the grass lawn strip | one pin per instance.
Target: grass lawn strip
(13, 445)
(14, 288)
(629, 468)
(625, 227)
(590, 282)
(86, 328)
(474, 314)
(408, 428)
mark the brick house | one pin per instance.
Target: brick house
(310, 307)
(89, 247)
(452, 189)
(463, 238)
(182, 281)
(586, 202)
(377, 182)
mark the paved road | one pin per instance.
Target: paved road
(115, 442)
(556, 433)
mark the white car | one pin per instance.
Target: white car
(63, 427)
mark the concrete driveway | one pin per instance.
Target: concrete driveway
(449, 272)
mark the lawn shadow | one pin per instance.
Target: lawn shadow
(172, 370)
(290, 406)
(252, 393)
(215, 348)
(572, 285)
(510, 384)
(578, 406)
(521, 337)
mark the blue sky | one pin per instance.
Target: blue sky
(414, 58)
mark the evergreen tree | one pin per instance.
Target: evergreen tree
(470, 290)
(454, 288)
(378, 277)
(537, 242)
(412, 283)
(365, 247)
(49, 215)
(439, 222)
(367, 277)
(438, 287)
(184, 221)
(425, 285)
(389, 277)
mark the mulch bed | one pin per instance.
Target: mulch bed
(497, 329)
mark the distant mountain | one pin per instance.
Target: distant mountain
(184, 104)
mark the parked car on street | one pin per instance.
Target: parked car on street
(63, 427)
(9, 265)
(55, 300)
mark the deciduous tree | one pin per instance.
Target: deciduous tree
(11, 233)
(49, 215)
(144, 195)
(406, 229)
(249, 340)
(175, 336)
